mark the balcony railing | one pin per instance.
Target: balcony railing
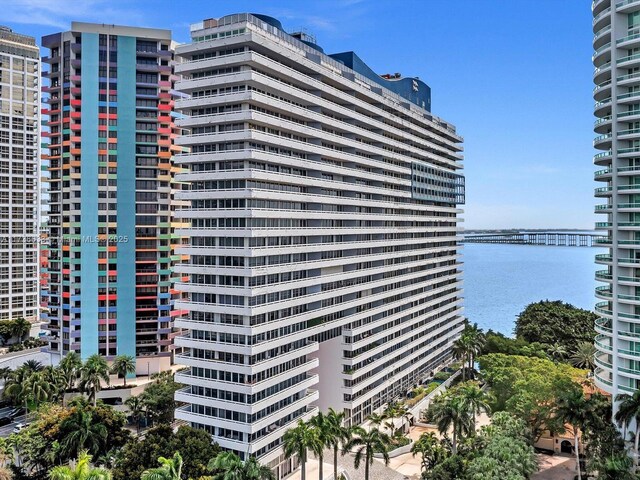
(601, 15)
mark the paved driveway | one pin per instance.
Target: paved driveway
(14, 362)
(555, 467)
(377, 472)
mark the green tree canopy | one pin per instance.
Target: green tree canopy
(124, 365)
(496, 342)
(58, 434)
(529, 387)
(93, 373)
(142, 454)
(555, 322)
(81, 470)
(169, 469)
(364, 444)
(506, 452)
(298, 441)
(158, 398)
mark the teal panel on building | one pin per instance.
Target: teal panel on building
(89, 197)
(126, 230)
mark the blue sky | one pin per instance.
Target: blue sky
(514, 76)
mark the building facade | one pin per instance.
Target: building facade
(111, 182)
(616, 27)
(323, 242)
(19, 175)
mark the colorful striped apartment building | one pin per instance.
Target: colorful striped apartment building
(111, 183)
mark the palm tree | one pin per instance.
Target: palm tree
(226, 466)
(366, 443)
(69, 368)
(377, 419)
(6, 451)
(615, 467)
(136, 410)
(467, 347)
(451, 412)
(584, 356)
(380, 420)
(298, 440)
(94, 371)
(460, 350)
(629, 411)
(405, 413)
(19, 328)
(56, 381)
(5, 474)
(82, 470)
(430, 449)
(5, 372)
(253, 470)
(32, 365)
(39, 388)
(14, 387)
(396, 410)
(324, 432)
(474, 400)
(572, 408)
(124, 365)
(338, 433)
(25, 385)
(557, 351)
(82, 434)
(170, 469)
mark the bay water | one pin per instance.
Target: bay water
(500, 280)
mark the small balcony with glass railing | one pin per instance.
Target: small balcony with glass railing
(603, 141)
(598, 6)
(626, 6)
(632, 113)
(602, 108)
(602, 73)
(628, 80)
(603, 158)
(630, 151)
(603, 343)
(603, 175)
(602, 125)
(629, 39)
(631, 369)
(601, 19)
(629, 99)
(628, 278)
(603, 379)
(629, 239)
(628, 61)
(603, 191)
(601, 37)
(603, 361)
(627, 349)
(601, 55)
(602, 91)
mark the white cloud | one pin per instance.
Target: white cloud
(337, 17)
(59, 13)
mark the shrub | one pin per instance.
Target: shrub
(442, 376)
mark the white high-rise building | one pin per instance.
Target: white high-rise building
(616, 58)
(324, 242)
(19, 175)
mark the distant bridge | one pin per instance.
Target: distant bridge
(559, 239)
